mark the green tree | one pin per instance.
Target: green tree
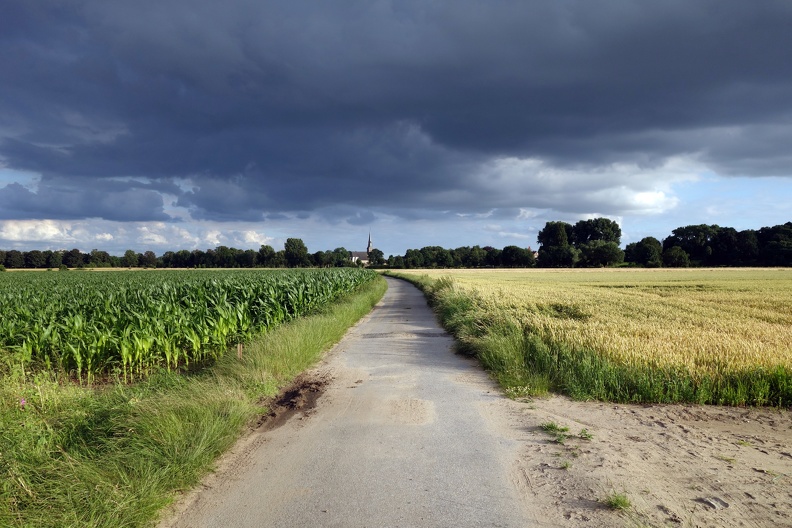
(558, 256)
(478, 257)
(648, 252)
(341, 257)
(396, 262)
(600, 254)
(376, 257)
(148, 259)
(296, 253)
(493, 257)
(603, 229)
(695, 240)
(413, 258)
(555, 234)
(676, 257)
(14, 259)
(35, 259)
(517, 257)
(74, 258)
(265, 255)
(54, 259)
(130, 258)
(99, 259)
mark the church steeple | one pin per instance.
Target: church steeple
(370, 246)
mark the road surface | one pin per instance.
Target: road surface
(406, 433)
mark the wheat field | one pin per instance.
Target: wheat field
(709, 323)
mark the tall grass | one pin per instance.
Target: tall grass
(114, 456)
(530, 353)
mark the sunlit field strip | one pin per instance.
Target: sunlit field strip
(709, 321)
(87, 324)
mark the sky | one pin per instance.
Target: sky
(181, 124)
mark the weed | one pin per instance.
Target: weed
(552, 427)
(585, 435)
(617, 501)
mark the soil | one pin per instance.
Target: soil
(679, 465)
(299, 397)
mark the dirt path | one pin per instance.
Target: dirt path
(393, 429)
(399, 437)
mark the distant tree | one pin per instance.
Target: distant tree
(74, 258)
(99, 259)
(725, 247)
(600, 254)
(168, 259)
(200, 259)
(341, 257)
(148, 260)
(603, 229)
(14, 259)
(225, 257)
(413, 258)
(695, 240)
(648, 252)
(322, 259)
(555, 234)
(517, 257)
(376, 257)
(461, 256)
(675, 257)
(775, 245)
(558, 256)
(444, 259)
(296, 253)
(35, 259)
(279, 259)
(130, 258)
(478, 257)
(493, 256)
(246, 259)
(555, 250)
(3, 257)
(54, 259)
(747, 248)
(396, 262)
(265, 256)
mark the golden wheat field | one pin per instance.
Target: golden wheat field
(710, 321)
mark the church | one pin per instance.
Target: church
(362, 257)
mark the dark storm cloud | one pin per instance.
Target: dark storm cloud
(268, 108)
(59, 198)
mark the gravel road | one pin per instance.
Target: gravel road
(403, 435)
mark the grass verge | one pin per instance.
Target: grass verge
(75, 456)
(526, 365)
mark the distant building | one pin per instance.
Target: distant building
(362, 256)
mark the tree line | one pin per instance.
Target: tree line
(587, 243)
(294, 254)
(596, 243)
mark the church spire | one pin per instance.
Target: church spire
(370, 246)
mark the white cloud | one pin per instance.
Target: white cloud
(533, 185)
(35, 231)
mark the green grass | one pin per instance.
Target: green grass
(526, 364)
(617, 501)
(112, 456)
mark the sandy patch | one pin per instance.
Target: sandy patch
(679, 465)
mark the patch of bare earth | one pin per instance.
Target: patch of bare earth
(679, 465)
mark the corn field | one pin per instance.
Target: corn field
(87, 323)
